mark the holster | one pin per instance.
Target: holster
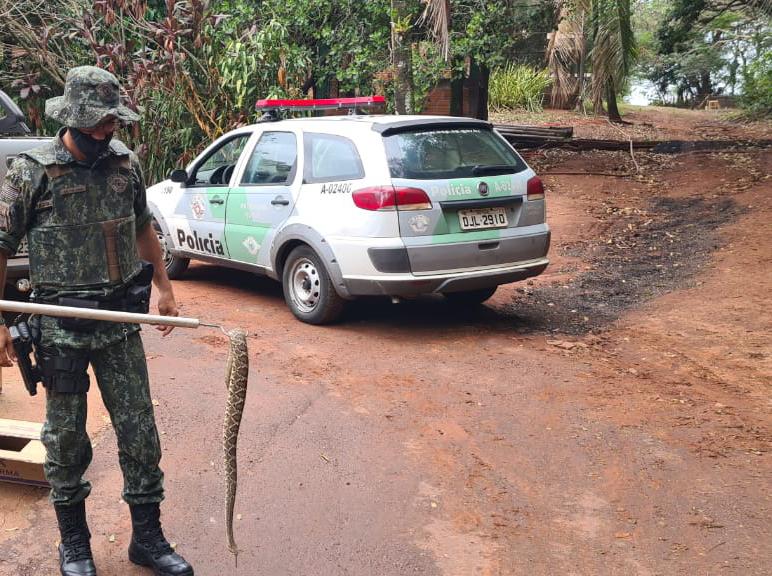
(24, 336)
(63, 372)
(137, 297)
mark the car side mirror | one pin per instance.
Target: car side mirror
(11, 117)
(179, 176)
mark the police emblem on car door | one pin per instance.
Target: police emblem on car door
(199, 223)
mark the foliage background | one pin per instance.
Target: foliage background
(693, 49)
(195, 68)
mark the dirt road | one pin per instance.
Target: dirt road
(611, 417)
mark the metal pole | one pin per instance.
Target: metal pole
(92, 314)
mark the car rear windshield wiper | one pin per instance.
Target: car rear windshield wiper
(494, 169)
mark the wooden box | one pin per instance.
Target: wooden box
(21, 453)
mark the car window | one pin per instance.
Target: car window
(441, 154)
(217, 168)
(330, 157)
(273, 160)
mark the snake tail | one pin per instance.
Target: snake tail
(236, 376)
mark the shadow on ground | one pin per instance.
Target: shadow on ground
(642, 254)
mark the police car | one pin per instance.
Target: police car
(338, 207)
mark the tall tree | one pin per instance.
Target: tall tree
(401, 28)
(702, 45)
(594, 34)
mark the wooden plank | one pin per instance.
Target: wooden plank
(560, 131)
(20, 429)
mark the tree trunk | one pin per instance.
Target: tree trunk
(457, 95)
(400, 54)
(613, 109)
(706, 86)
(579, 103)
(483, 79)
(478, 84)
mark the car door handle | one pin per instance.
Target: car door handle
(279, 201)
(216, 200)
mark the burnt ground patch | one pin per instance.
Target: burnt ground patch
(642, 254)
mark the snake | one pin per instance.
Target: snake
(236, 375)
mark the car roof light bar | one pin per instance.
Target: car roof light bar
(321, 103)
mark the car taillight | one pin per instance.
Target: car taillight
(390, 198)
(412, 199)
(535, 189)
(375, 198)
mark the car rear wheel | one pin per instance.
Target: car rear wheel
(175, 265)
(470, 297)
(308, 290)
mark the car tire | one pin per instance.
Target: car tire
(308, 289)
(470, 297)
(175, 265)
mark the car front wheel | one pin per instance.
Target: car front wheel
(470, 297)
(175, 265)
(308, 290)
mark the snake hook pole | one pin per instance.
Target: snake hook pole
(236, 375)
(105, 315)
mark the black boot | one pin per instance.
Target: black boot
(149, 547)
(75, 557)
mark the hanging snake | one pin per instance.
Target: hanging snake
(236, 374)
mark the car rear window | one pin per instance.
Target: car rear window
(330, 157)
(454, 153)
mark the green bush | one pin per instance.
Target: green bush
(757, 87)
(517, 86)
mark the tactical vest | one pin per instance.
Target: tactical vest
(83, 231)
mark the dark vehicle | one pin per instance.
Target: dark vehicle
(15, 139)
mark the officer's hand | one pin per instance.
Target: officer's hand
(7, 353)
(167, 306)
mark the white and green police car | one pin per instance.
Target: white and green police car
(343, 206)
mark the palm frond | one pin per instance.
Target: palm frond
(613, 46)
(437, 15)
(764, 5)
(564, 54)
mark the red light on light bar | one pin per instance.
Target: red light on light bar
(320, 103)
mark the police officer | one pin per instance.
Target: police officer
(81, 202)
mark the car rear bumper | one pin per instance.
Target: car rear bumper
(504, 249)
(411, 285)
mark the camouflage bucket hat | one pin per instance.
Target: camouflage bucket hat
(90, 95)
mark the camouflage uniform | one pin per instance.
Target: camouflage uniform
(81, 222)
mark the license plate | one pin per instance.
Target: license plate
(482, 218)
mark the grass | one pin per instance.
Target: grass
(517, 87)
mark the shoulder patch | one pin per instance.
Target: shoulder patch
(8, 193)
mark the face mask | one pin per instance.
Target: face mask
(91, 148)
